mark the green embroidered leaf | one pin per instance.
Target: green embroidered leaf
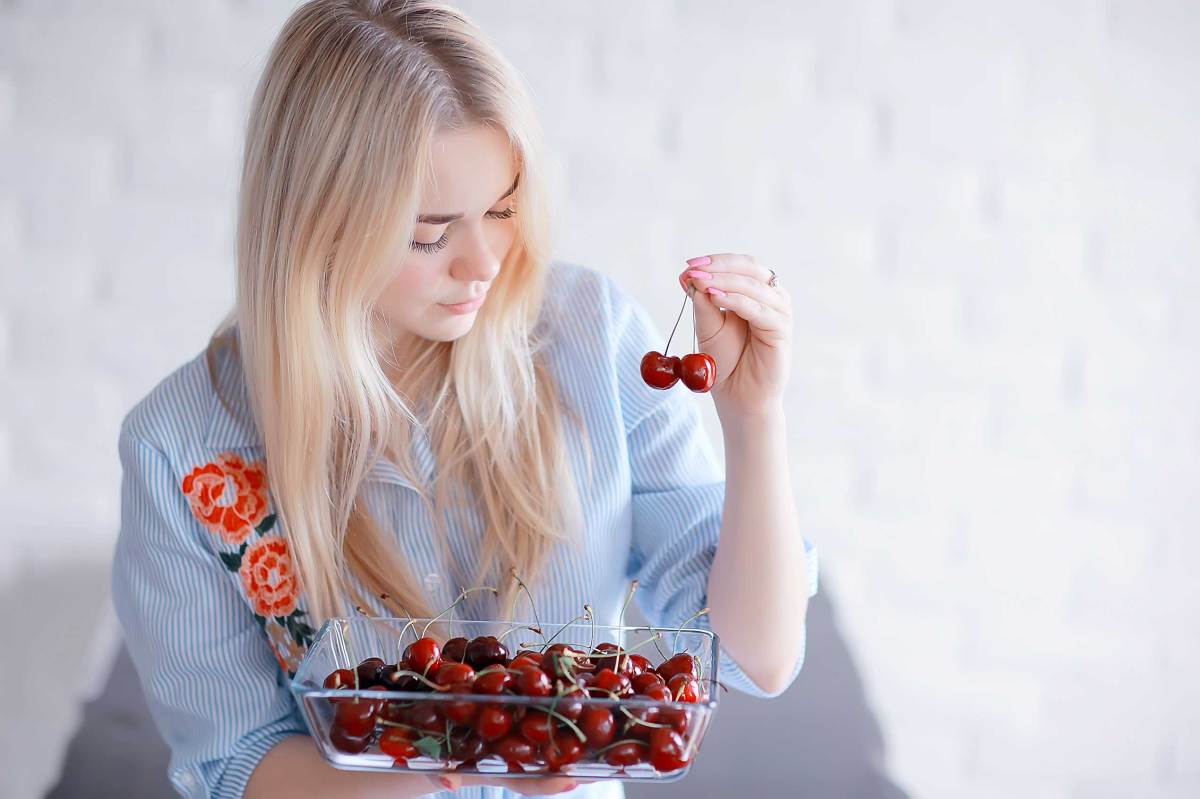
(265, 525)
(429, 746)
(262, 621)
(233, 560)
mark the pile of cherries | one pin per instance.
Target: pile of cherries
(528, 736)
(697, 370)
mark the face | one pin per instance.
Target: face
(465, 229)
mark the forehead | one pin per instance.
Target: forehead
(469, 169)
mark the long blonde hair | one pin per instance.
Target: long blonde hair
(338, 145)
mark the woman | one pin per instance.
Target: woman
(397, 317)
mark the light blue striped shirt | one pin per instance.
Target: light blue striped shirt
(200, 575)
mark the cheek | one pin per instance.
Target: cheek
(404, 296)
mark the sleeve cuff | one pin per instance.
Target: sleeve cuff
(228, 779)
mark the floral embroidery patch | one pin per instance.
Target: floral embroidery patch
(229, 497)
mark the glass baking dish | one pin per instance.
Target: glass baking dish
(453, 728)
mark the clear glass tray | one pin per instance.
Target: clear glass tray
(345, 643)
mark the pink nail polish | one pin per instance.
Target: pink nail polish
(703, 260)
(445, 781)
(700, 274)
(716, 292)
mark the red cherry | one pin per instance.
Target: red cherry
(532, 681)
(464, 712)
(680, 663)
(609, 680)
(493, 680)
(569, 704)
(537, 728)
(698, 371)
(350, 744)
(658, 692)
(514, 750)
(397, 742)
(484, 651)
(356, 718)
(455, 649)
(564, 750)
(604, 656)
(422, 655)
(684, 688)
(559, 660)
(660, 371)
(644, 680)
(626, 753)
(468, 749)
(368, 672)
(677, 718)
(493, 723)
(451, 673)
(667, 750)
(425, 716)
(638, 723)
(598, 726)
(639, 664)
(340, 678)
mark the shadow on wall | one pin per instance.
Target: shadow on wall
(818, 740)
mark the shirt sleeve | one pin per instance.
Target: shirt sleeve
(678, 494)
(212, 683)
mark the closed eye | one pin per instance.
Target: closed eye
(440, 244)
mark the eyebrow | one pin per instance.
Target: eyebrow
(442, 219)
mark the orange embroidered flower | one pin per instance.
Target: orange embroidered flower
(231, 514)
(269, 577)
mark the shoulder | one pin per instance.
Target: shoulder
(588, 303)
(183, 415)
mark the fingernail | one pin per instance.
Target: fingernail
(572, 785)
(700, 274)
(446, 781)
(703, 260)
(716, 292)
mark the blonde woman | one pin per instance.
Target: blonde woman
(411, 396)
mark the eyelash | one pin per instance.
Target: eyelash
(440, 244)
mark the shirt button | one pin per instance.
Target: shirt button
(433, 581)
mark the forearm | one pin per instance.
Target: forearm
(295, 768)
(758, 589)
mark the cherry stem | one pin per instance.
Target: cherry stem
(695, 333)
(622, 741)
(533, 607)
(386, 723)
(677, 318)
(592, 625)
(462, 595)
(679, 629)
(633, 586)
(584, 617)
(516, 627)
(424, 679)
(552, 712)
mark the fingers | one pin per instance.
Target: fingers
(759, 315)
(736, 263)
(728, 282)
(525, 787)
(541, 787)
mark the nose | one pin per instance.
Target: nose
(477, 262)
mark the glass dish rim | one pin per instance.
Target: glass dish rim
(325, 631)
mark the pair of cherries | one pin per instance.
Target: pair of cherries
(697, 370)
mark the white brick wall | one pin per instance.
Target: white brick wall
(989, 216)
